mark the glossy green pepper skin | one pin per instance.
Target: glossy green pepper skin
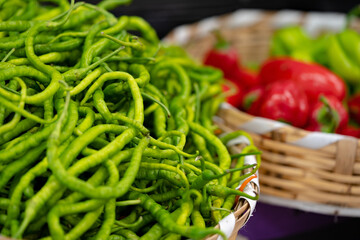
(291, 41)
(344, 55)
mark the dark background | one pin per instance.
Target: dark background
(164, 15)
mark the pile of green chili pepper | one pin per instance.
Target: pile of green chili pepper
(105, 133)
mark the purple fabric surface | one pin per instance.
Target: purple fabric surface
(273, 222)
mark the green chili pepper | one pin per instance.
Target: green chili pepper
(166, 221)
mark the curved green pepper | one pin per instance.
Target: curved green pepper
(291, 41)
(344, 55)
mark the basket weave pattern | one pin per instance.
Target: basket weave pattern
(329, 175)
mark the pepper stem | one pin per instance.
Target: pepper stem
(328, 117)
(221, 43)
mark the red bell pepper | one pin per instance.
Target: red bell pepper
(244, 78)
(234, 94)
(275, 69)
(327, 115)
(284, 101)
(252, 100)
(223, 56)
(350, 130)
(314, 79)
(354, 107)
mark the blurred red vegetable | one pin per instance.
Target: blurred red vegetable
(223, 56)
(284, 101)
(252, 99)
(354, 107)
(328, 115)
(314, 79)
(275, 69)
(233, 93)
(350, 130)
(244, 77)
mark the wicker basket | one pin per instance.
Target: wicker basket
(305, 170)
